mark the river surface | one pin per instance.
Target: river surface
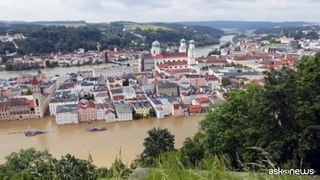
(104, 147)
(203, 51)
(199, 52)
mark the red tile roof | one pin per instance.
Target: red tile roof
(86, 104)
(35, 81)
(245, 58)
(211, 78)
(183, 70)
(212, 60)
(102, 94)
(202, 100)
(118, 97)
(171, 55)
(162, 66)
(195, 108)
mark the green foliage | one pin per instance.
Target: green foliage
(70, 167)
(119, 169)
(27, 93)
(192, 152)
(226, 82)
(28, 163)
(43, 40)
(152, 113)
(6, 46)
(169, 166)
(22, 66)
(214, 52)
(264, 127)
(136, 115)
(226, 45)
(158, 141)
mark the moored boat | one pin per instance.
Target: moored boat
(33, 133)
(94, 129)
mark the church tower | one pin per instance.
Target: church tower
(183, 46)
(191, 53)
(37, 98)
(156, 49)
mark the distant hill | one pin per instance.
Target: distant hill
(244, 25)
(45, 23)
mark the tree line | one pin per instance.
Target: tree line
(48, 39)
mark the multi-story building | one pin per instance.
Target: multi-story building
(17, 109)
(67, 114)
(124, 112)
(167, 88)
(142, 107)
(102, 109)
(178, 109)
(87, 111)
(61, 98)
(111, 116)
(197, 80)
(113, 71)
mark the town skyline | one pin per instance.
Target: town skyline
(159, 11)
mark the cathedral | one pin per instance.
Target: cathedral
(185, 58)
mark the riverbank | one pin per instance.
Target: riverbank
(104, 147)
(199, 52)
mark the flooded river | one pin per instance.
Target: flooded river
(104, 147)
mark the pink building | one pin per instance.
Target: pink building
(87, 111)
(197, 81)
(178, 109)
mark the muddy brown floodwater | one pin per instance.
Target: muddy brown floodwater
(104, 146)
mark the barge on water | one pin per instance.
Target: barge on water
(34, 133)
(95, 129)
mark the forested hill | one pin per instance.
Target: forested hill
(46, 39)
(244, 25)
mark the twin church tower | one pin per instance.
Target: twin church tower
(189, 50)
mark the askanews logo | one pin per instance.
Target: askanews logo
(279, 171)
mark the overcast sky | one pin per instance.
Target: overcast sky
(161, 10)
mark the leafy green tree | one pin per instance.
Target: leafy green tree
(226, 82)
(214, 52)
(28, 92)
(192, 151)
(136, 115)
(158, 141)
(69, 167)
(28, 164)
(152, 113)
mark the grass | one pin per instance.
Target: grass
(169, 167)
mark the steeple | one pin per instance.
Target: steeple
(183, 47)
(37, 98)
(191, 53)
(156, 49)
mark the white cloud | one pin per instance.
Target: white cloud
(161, 10)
